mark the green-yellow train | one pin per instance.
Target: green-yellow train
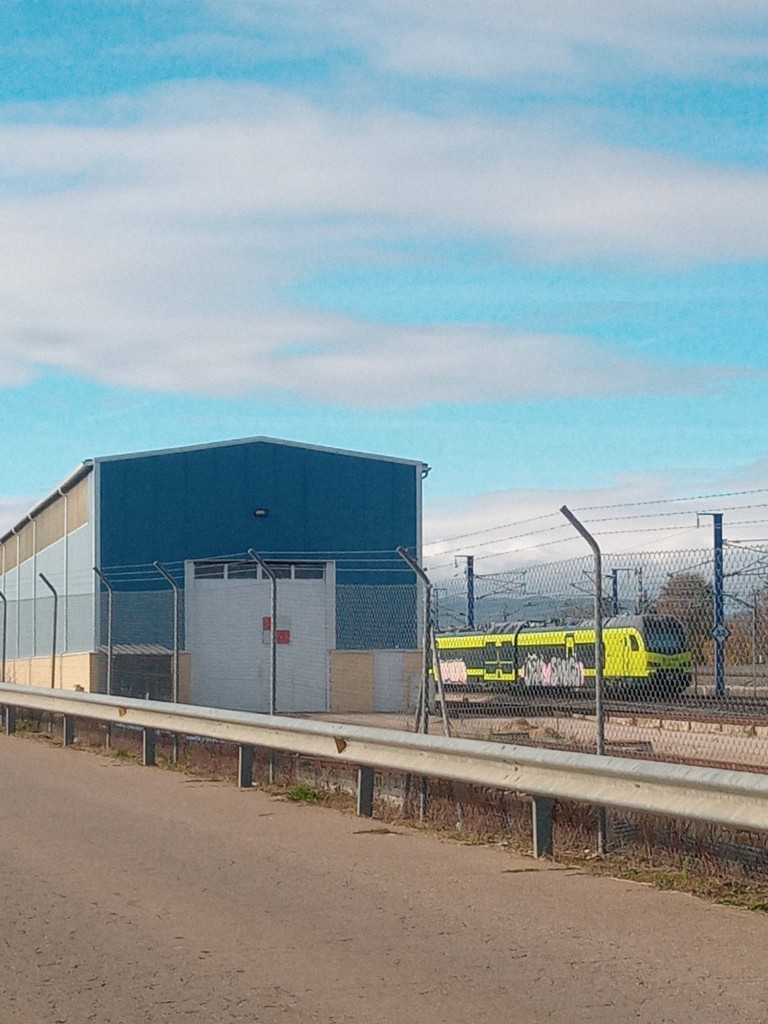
(644, 656)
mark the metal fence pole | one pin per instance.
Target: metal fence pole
(272, 646)
(438, 670)
(422, 716)
(422, 711)
(5, 635)
(599, 658)
(176, 646)
(52, 589)
(110, 627)
(176, 629)
(273, 632)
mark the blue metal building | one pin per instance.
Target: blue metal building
(292, 503)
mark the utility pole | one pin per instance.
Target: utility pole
(470, 591)
(615, 606)
(640, 592)
(720, 631)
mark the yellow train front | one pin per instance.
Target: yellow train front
(645, 656)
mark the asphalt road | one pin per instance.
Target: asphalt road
(140, 896)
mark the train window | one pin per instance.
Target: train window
(507, 656)
(664, 635)
(491, 657)
(634, 644)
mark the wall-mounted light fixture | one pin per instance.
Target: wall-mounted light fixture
(261, 513)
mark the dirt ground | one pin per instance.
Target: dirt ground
(139, 896)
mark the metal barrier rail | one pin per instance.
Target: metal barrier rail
(732, 798)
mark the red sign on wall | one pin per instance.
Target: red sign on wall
(282, 636)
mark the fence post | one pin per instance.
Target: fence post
(176, 630)
(110, 626)
(272, 647)
(52, 589)
(5, 634)
(176, 646)
(599, 707)
(430, 653)
(273, 632)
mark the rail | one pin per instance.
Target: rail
(731, 798)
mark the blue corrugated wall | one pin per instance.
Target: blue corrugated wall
(322, 505)
(200, 503)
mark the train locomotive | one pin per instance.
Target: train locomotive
(645, 657)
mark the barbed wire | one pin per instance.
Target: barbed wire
(604, 519)
(662, 501)
(562, 540)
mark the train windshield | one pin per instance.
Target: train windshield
(664, 635)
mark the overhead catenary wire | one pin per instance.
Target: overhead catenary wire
(663, 501)
(621, 504)
(563, 540)
(609, 519)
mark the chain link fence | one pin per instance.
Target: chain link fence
(514, 651)
(518, 655)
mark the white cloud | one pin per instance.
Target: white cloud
(641, 513)
(562, 39)
(158, 253)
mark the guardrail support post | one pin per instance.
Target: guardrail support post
(244, 766)
(10, 720)
(543, 845)
(365, 792)
(68, 730)
(149, 747)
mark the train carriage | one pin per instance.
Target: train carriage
(644, 655)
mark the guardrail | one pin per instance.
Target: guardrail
(732, 798)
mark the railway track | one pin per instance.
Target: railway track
(745, 710)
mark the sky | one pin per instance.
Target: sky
(522, 242)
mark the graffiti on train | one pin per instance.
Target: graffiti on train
(566, 672)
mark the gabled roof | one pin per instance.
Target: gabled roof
(261, 439)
